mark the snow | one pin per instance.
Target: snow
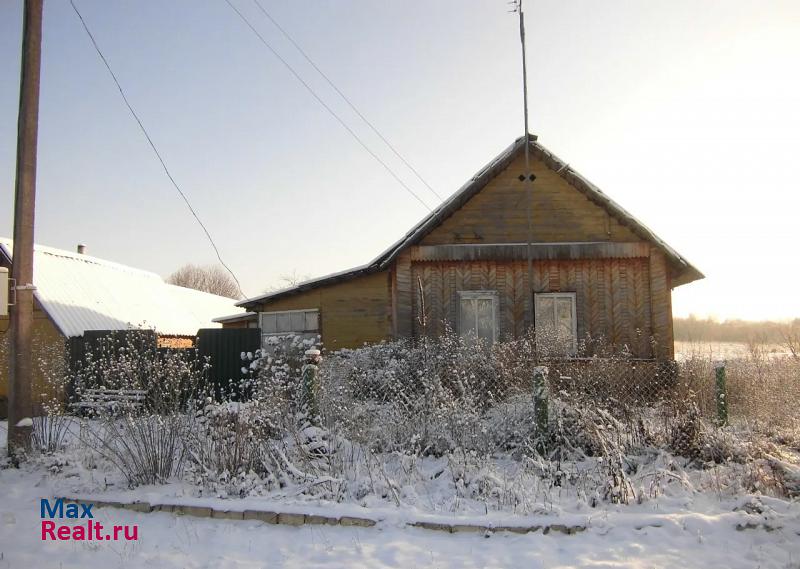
(81, 292)
(705, 537)
(679, 530)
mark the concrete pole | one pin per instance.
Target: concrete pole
(540, 397)
(721, 393)
(20, 408)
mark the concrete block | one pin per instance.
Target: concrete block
(139, 507)
(227, 514)
(435, 526)
(195, 511)
(517, 529)
(261, 516)
(356, 522)
(291, 519)
(462, 528)
(321, 520)
(109, 504)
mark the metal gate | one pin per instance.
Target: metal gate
(223, 348)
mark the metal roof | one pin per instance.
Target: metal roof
(80, 293)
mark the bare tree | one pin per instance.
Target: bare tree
(288, 280)
(212, 278)
(790, 336)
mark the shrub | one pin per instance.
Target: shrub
(147, 443)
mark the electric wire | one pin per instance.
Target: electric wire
(327, 107)
(346, 99)
(153, 146)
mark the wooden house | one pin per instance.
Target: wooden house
(595, 270)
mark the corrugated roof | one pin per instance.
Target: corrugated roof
(236, 317)
(81, 292)
(684, 271)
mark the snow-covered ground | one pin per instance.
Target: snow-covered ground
(700, 534)
(681, 530)
(725, 350)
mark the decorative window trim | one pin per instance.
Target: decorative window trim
(492, 295)
(574, 302)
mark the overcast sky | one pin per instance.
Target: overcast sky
(687, 113)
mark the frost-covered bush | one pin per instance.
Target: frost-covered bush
(249, 447)
(436, 395)
(130, 360)
(146, 441)
(146, 449)
(228, 448)
(274, 374)
(428, 395)
(52, 422)
(447, 397)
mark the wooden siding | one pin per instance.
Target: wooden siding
(661, 305)
(402, 296)
(612, 295)
(49, 346)
(498, 213)
(351, 312)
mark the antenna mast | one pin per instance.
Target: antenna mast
(528, 177)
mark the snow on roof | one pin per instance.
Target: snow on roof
(80, 293)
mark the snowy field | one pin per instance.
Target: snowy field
(725, 350)
(680, 530)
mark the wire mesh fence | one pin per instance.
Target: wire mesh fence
(439, 394)
(503, 426)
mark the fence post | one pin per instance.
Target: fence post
(540, 396)
(721, 393)
(308, 395)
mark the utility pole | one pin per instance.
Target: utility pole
(20, 408)
(528, 177)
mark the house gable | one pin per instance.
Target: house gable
(569, 209)
(497, 213)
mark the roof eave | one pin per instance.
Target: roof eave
(234, 317)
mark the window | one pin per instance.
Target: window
(478, 312)
(303, 323)
(556, 322)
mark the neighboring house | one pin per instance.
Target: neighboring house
(76, 293)
(596, 270)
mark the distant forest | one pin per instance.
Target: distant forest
(694, 329)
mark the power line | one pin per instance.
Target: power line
(345, 98)
(153, 146)
(326, 107)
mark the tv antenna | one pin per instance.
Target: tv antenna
(527, 177)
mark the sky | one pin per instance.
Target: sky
(687, 113)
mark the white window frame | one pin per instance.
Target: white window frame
(277, 313)
(574, 301)
(492, 295)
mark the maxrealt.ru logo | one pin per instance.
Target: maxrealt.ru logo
(90, 530)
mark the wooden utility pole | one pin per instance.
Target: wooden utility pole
(20, 407)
